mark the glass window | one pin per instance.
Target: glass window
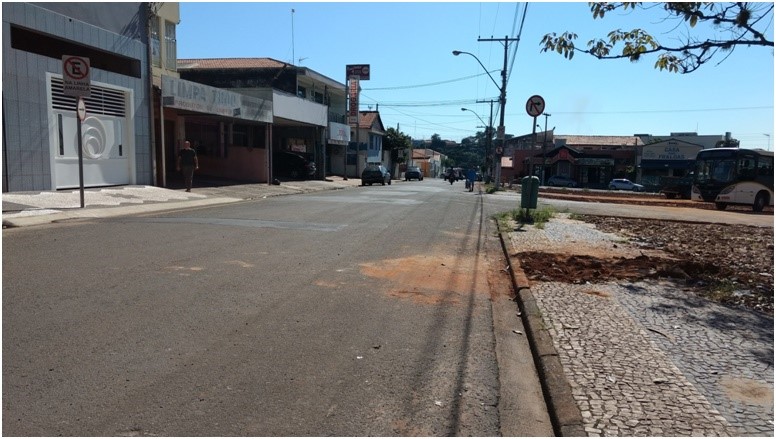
(156, 44)
(240, 135)
(301, 92)
(170, 45)
(204, 138)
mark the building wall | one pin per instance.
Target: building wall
(27, 159)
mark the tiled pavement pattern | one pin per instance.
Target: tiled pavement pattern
(646, 359)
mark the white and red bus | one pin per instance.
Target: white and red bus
(734, 176)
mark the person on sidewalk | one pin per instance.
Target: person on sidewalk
(188, 163)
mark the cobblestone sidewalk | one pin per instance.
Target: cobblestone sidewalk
(648, 359)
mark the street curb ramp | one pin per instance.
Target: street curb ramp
(565, 415)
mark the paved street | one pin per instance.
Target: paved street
(359, 312)
(646, 359)
(641, 358)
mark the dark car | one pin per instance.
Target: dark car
(293, 165)
(375, 174)
(413, 172)
(561, 180)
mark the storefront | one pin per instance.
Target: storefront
(231, 132)
(670, 158)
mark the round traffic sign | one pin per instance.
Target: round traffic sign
(535, 105)
(81, 109)
(76, 68)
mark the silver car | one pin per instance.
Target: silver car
(625, 185)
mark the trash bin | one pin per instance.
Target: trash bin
(529, 192)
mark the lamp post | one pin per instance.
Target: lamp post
(769, 141)
(503, 101)
(544, 146)
(488, 133)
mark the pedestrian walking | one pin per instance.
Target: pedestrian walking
(187, 163)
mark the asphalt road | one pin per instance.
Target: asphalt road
(365, 313)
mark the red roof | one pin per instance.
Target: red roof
(230, 63)
(367, 119)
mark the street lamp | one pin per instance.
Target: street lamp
(503, 101)
(769, 141)
(488, 134)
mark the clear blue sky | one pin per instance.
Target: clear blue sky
(420, 86)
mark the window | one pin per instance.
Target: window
(204, 138)
(170, 46)
(301, 92)
(765, 167)
(156, 44)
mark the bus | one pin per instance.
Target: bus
(734, 176)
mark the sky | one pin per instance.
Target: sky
(420, 87)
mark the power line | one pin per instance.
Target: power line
(696, 110)
(430, 84)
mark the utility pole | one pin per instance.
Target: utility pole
(544, 146)
(489, 143)
(503, 99)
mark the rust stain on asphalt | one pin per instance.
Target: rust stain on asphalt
(429, 279)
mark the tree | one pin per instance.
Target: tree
(395, 141)
(736, 24)
(437, 143)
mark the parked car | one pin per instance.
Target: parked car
(375, 174)
(292, 165)
(561, 180)
(413, 172)
(625, 184)
(673, 187)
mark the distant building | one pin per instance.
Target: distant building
(366, 145)
(590, 160)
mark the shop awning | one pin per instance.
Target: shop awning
(667, 164)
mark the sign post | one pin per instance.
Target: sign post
(354, 74)
(77, 83)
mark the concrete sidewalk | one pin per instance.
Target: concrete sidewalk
(22, 209)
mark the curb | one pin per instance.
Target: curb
(109, 212)
(565, 416)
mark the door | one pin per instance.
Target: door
(107, 149)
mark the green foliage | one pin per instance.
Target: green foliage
(468, 154)
(731, 24)
(396, 140)
(519, 216)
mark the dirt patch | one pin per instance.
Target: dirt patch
(735, 261)
(748, 391)
(430, 279)
(580, 269)
(726, 263)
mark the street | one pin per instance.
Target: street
(364, 312)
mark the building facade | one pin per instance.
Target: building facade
(592, 161)
(307, 108)
(40, 144)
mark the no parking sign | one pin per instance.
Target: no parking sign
(76, 76)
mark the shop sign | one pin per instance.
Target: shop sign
(191, 96)
(670, 151)
(339, 134)
(360, 71)
(353, 93)
(595, 162)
